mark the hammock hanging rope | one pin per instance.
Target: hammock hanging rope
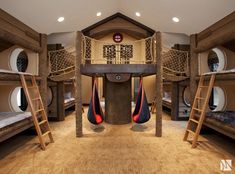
(95, 113)
(141, 113)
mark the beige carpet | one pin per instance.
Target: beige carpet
(115, 149)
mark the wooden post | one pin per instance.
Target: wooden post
(43, 69)
(174, 101)
(193, 67)
(60, 101)
(78, 86)
(159, 82)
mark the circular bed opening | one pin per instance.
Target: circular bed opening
(18, 100)
(217, 101)
(49, 96)
(19, 60)
(186, 96)
(216, 60)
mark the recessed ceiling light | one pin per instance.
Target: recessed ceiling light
(175, 19)
(60, 19)
(98, 14)
(137, 14)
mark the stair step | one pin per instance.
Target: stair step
(190, 131)
(46, 133)
(32, 87)
(193, 120)
(42, 122)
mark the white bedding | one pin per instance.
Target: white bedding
(67, 100)
(221, 72)
(166, 99)
(8, 118)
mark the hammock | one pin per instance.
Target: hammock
(141, 113)
(95, 113)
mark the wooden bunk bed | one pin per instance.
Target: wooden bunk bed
(220, 34)
(14, 33)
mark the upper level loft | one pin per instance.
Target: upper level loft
(119, 44)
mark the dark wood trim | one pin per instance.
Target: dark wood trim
(14, 77)
(60, 101)
(217, 34)
(134, 34)
(193, 68)
(120, 15)
(175, 101)
(221, 77)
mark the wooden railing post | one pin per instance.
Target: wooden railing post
(78, 85)
(159, 81)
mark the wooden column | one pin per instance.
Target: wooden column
(43, 69)
(174, 100)
(60, 101)
(193, 67)
(159, 82)
(78, 86)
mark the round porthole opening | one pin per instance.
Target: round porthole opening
(19, 60)
(217, 99)
(49, 96)
(186, 96)
(216, 60)
(18, 100)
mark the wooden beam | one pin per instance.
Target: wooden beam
(78, 85)
(159, 83)
(16, 32)
(174, 100)
(60, 101)
(193, 67)
(43, 69)
(14, 77)
(217, 34)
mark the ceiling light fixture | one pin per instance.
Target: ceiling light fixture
(60, 19)
(175, 19)
(137, 14)
(98, 14)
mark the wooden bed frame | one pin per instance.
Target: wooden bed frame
(220, 33)
(14, 32)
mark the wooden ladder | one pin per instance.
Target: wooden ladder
(198, 110)
(36, 107)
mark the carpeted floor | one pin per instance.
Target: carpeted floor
(123, 149)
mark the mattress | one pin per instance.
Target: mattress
(227, 117)
(67, 100)
(9, 118)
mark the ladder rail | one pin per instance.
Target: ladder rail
(35, 112)
(201, 109)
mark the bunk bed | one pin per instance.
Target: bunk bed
(69, 100)
(218, 35)
(15, 34)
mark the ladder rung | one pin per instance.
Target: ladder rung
(34, 99)
(197, 109)
(200, 98)
(203, 86)
(39, 110)
(42, 122)
(32, 87)
(46, 133)
(190, 131)
(193, 120)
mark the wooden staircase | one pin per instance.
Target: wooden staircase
(37, 110)
(198, 110)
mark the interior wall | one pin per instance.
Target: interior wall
(86, 89)
(67, 39)
(33, 60)
(170, 39)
